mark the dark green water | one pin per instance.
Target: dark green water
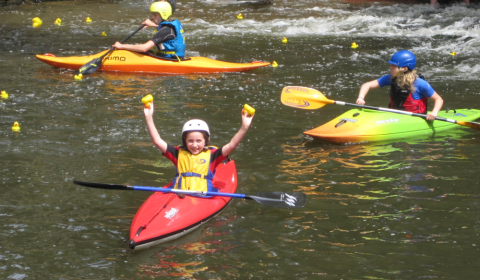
(405, 209)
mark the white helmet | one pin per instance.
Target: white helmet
(195, 125)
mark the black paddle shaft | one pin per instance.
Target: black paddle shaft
(96, 63)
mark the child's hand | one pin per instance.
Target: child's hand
(149, 23)
(148, 111)
(246, 120)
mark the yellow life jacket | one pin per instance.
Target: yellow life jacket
(193, 171)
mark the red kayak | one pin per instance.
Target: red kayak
(164, 217)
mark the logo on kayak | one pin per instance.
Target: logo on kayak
(290, 200)
(288, 89)
(348, 120)
(171, 213)
(116, 58)
(201, 161)
(459, 115)
(294, 102)
(387, 121)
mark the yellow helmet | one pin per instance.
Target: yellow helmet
(163, 8)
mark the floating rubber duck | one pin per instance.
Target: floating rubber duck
(284, 40)
(88, 20)
(147, 99)
(58, 21)
(274, 64)
(453, 53)
(249, 109)
(36, 22)
(354, 45)
(16, 127)
(239, 16)
(103, 33)
(4, 94)
(78, 77)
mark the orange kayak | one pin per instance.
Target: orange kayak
(127, 61)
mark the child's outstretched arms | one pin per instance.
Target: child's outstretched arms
(230, 147)
(156, 139)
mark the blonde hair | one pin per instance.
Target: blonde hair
(405, 78)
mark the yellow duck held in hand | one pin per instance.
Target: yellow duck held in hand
(249, 109)
(239, 16)
(4, 94)
(16, 127)
(354, 45)
(147, 99)
(88, 20)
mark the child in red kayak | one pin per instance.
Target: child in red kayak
(409, 91)
(195, 160)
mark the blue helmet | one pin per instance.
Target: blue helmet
(403, 59)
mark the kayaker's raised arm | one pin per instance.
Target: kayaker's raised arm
(152, 130)
(233, 144)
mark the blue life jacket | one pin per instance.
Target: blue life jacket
(176, 47)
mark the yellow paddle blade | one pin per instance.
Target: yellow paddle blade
(473, 125)
(304, 98)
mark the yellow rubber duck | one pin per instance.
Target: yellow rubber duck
(453, 53)
(103, 33)
(36, 22)
(284, 40)
(4, 94)
(274, 64)
(354, 45)
(58, 21)
(239, 16)
(16, 127)
(88, 20)
(147, 99)
(249, 109)
(78, 77)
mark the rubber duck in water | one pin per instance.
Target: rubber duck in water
(4, 94)
(58, 21)
(453, 53)
(36, 22)
(284, 40)
(88, 20)
(78, 77)
(103, 33)
(239, 16)
(274, 64)
(16, 127)
(354, 45)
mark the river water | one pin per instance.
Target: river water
(397, 210)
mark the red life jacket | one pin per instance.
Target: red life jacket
(401, 98)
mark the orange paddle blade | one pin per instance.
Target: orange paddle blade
(473, 125)
(304, 98)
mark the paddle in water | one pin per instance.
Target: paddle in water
(96, 63)
(309, 98)
(274, 199)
